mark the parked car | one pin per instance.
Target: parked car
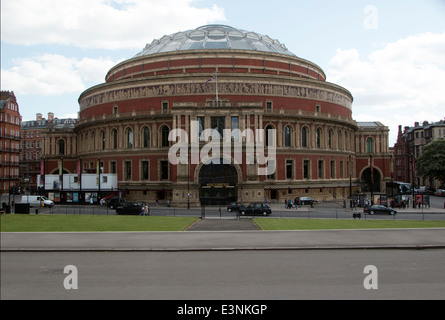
(379, 209)
(234, 206)
(425, 190)
(130, 208)
(255, 208)
(440, 192)
(306, 200)
(113, 203)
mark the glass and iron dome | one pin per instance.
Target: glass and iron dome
(215, 37)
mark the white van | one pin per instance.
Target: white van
(37, 201)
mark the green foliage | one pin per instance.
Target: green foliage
(431, 164)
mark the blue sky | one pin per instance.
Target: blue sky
(389, 54)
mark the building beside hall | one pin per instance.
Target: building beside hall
(9, 142)
(219, 77)
(408, 148)
(32, 146)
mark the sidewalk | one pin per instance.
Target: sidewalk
(224, 240)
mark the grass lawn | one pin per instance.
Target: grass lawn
(91, 223)
(328, 224)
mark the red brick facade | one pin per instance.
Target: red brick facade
(124, 123)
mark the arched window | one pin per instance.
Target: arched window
(318, 137)
(272, 136)
(61, 145)
(330, 137)
(129, 136)
(146, 137)
(164, 136)
(102, 140)
(339, 140)
(304, 135)
(114, 137)
(369, 145)
(287, 136)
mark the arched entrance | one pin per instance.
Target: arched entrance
(218, 183)
(368, 183)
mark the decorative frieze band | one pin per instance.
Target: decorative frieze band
(165, 90)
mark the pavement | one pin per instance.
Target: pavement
(238, 235)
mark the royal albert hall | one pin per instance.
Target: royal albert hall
(221, 78)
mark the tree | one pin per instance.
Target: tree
(431, 164)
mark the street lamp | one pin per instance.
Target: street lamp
(350, 181)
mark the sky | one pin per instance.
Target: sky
(390, 54)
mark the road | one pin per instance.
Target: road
(327, 210)
(230, 275)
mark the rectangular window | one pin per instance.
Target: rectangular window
(127, 170)
(113, 167)
(306, 168)
(218, 123)
(320, 169)
(271, 164)
(342, 170)
(164, 170)
(332, 169)
(144, 170)
(201, 125)
(164, 107)
(289, 169)
(235, 126)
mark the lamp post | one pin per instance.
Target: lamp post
(413, 177)
(350, 181)
(188, 181)
(372, 179)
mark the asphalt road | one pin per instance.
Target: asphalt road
(327, 210)
(229, 275)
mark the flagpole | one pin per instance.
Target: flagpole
(216, 78)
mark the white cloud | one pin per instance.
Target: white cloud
(399, 84)
(107, 24)
(51, 75)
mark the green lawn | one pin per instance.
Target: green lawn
(98, 223)
(328, 224)
(91, 223)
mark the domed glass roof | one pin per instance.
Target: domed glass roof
(215, 37)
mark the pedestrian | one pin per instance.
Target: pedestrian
(147, 209)
(142, 210)
(285, 203)
(91, 199)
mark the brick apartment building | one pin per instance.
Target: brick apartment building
(9, 142)
(409, 146)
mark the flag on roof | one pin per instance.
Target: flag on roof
(212, 78)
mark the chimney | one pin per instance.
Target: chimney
(425, 123)
(406, 129)
(416, 124)
(50, 116)
(38, 116)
